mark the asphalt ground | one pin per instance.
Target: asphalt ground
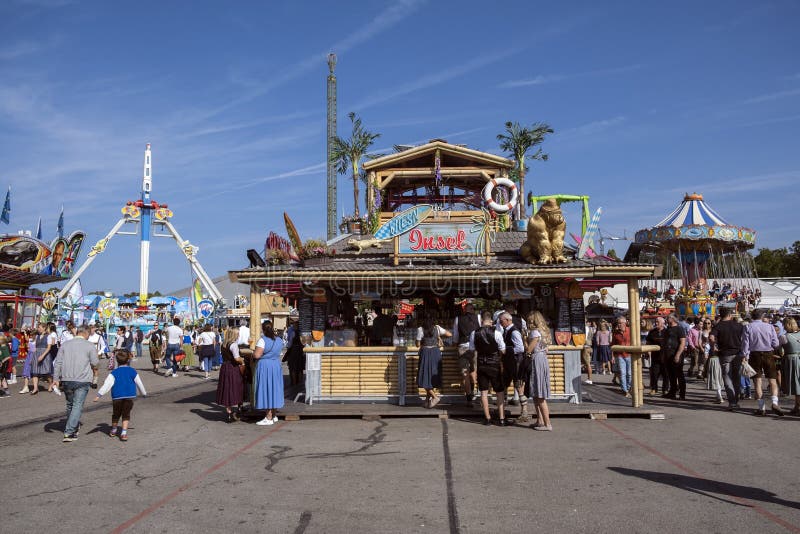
(185, 470)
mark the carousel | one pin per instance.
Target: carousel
(705, 258)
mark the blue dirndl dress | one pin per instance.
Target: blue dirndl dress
(268, 380)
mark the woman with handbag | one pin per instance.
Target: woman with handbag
(230, 388)
(269, 374)
(429, 373)
(206, 349)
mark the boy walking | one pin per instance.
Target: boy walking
(123, 383)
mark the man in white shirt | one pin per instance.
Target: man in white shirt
(67, 334)
(489, 345)
(244, 334)
(174, 334)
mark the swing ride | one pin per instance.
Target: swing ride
(149, 217)
(705, 255)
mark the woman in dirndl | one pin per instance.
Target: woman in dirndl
(189, 360)
(429, 372)
(790, 376)
(538, 339)
(42, 362)
(269, 374)
(602, 342)
(230, 388)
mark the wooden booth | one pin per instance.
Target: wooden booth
(441, 250)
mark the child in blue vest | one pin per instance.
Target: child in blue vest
(123, 383)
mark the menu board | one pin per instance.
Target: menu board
(578, 316)
(319, 317)
(562, 319)
(305, 307)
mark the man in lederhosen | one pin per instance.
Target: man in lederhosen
(516, 369)
(488, 344)
(463, 326)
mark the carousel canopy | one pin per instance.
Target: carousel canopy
(695, 222)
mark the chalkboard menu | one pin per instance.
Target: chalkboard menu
(578, 314)
(318, 321)
(562, 319)
(305, 307)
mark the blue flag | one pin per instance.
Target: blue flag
(39, 229)
(61, 223)
(6, 216)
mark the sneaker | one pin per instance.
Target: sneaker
(588, 382)
(56, 391)
(174, 375)
(69, 438)
(545, 428)
(3, 394)
(25, 390)
(777, 410)
(12, 381)
(265, 422)
(168, 373)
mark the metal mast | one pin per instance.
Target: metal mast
(331, 134)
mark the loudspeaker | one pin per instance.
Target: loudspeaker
(255, 258)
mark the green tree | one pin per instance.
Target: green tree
(517, 141)
(347, 153)
(773, 263)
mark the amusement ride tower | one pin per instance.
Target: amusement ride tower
(149, 215)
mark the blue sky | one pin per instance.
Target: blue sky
(648, 101)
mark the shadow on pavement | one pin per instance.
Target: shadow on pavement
(708, 487)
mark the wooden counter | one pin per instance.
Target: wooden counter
(389, 374)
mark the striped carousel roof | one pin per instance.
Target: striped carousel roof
(693, 210)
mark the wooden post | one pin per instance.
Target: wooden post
(637, 387)
(255, 315)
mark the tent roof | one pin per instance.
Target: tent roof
(693, 210)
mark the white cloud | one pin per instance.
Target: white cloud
(20, 49)
(434, 79)
(591, 128)
(772, 96)
(553, 78)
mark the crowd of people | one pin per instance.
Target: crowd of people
(495, 352)
(736, 357)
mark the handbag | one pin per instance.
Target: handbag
(747, 369)
(179, 357)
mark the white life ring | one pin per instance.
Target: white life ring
(489, 201)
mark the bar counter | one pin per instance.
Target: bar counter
(389, 374)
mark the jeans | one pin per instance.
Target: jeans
(657, 371)
(624, 366)
(207, 363)
(677, 381)
(138, 350)
(169, 360)
(75, 394)
(730, 376)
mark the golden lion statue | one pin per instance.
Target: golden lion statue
(546, 230)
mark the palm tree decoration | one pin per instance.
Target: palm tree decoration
(347, 153)
(517, 141)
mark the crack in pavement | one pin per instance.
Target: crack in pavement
(376, 437)
(57, 491)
